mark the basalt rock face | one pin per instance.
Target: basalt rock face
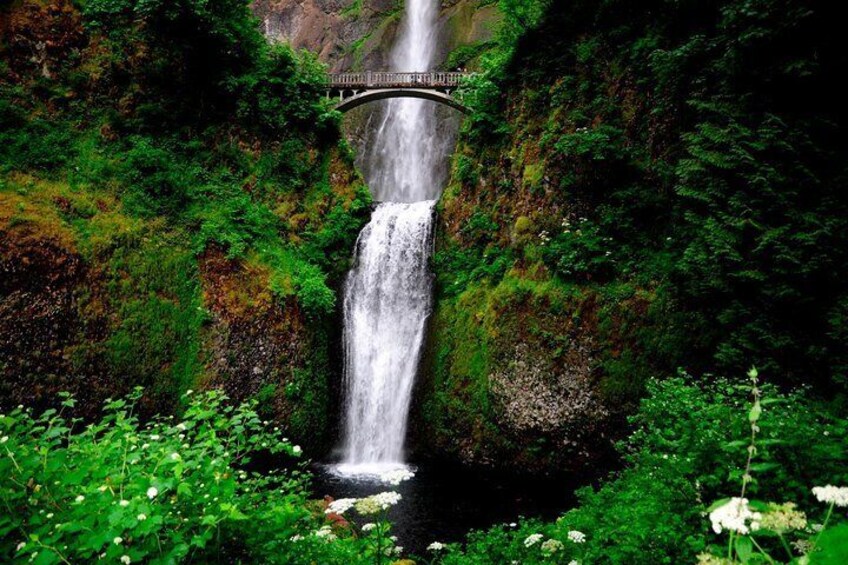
(255, 347)
(98, 297)
(359, 34)
(346, 35)
(43, 284)
(514, 380)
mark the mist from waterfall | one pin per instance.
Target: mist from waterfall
(388, 292)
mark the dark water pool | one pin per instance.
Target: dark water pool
(443, 502)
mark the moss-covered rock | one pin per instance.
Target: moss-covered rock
(160, 254)
(517, 379)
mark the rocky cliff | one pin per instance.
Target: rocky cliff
(359, 34)
(185, 254)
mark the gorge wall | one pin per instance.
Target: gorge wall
(198, 251)
(622, 207)
(358, 34)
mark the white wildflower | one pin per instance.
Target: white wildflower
(340, 506)
(141, 517)
(152, 492)
(125, 559)
(181, 427)
(532, 539)
(155, 437)
(4, 439)
(296, 450)
(20, 546)
(296, 537)
(369, 526)
(573, 562)
(118, 540)
(551, 546)
(576, 537)
(377, 502)
(736, 516)
(435, 546)
(79, 498)
(175, 456)
(189, 392)
(830, 494)
(124, 503)
(326, 533)
(396, 476)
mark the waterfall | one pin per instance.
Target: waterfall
(387, 295)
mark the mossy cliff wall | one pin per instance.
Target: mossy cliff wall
(636, 190)
(359, 34)
(169, 257)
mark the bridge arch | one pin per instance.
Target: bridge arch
(356, 89)
(367, 96)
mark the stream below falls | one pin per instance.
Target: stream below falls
(443, 502)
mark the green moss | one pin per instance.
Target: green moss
(533, 175)
(155, 292)
(353, 11)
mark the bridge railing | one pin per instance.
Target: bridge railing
(377, 79)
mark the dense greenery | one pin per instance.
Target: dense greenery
(693, 148)
(688, 450)
(669, 175)
(162, 492)
(175, 152)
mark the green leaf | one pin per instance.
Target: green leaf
(744, 548)
(833, 547)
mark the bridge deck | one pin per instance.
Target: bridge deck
(370, 80)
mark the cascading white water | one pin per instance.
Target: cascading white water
(406, 152)
(387, 301)
(387, 296)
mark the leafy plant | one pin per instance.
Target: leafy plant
(157, 492)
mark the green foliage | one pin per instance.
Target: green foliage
(285, 90)
(184, 52)
(581, 251)
(158, 182)
(158, 492)
(166, 132)
(156, 295)
(701, 142)
(685, 452)
(465, 55)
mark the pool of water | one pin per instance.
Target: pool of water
(443, 502)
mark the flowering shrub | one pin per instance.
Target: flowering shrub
(752, 525)
(375, 535)
(684, 453)
(161, 492)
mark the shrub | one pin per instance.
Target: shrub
(158, 492)
(684, 453)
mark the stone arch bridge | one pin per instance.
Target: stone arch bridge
(356, 89)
